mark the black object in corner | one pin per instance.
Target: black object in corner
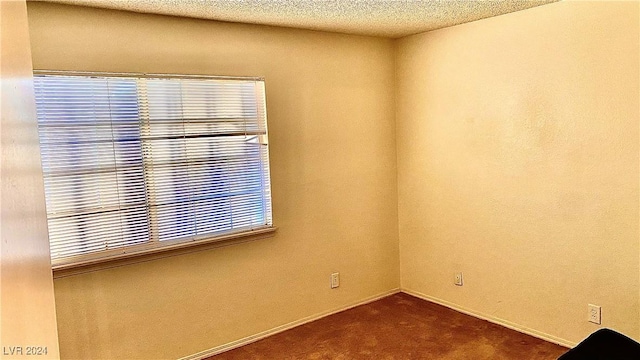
(604, 344)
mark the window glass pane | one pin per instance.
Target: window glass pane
(92, 163)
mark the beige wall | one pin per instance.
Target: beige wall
(331, 121)
(27, 308)
(518, 165)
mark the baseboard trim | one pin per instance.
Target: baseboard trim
(493, 319)
(278, 329)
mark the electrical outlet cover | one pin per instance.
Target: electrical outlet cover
(594, 313)
(335, 280)
(458, 279)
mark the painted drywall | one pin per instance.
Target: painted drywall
(518, 155)
(330, 107)
(517, 145)
(27, 307)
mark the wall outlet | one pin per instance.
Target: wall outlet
(458, 279)
(335, 280)
(595, 314)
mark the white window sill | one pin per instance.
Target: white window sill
(131, 256)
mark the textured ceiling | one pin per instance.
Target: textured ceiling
(388, 18)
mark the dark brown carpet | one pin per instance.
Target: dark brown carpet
(398, 327)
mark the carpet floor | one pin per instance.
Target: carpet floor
(399, 326)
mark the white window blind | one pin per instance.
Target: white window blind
(138, 162)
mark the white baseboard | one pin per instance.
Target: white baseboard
(493, 319)
(253, 338)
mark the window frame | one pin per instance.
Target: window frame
(153, 246)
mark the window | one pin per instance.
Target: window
(134, 163)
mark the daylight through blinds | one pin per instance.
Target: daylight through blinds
(132, 162)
